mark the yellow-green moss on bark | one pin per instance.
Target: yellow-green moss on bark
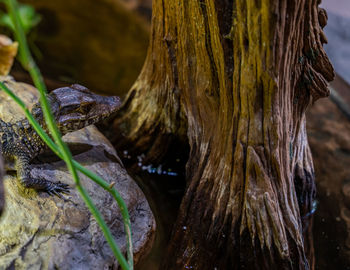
(234, 78)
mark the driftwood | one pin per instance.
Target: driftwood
(8, 51)
(234, 79)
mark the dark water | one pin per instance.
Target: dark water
(329, 234)
(164, 195)
(163, 185)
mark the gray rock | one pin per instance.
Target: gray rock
(38, 231)
(338, 47)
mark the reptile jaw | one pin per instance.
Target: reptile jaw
(76, 107)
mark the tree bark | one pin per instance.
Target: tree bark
(234, 78)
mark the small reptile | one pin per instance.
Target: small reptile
(73, 107)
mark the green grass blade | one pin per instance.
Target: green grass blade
(88, 173)
(59, 147)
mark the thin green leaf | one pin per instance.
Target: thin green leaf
(59, 147)
(27, 16)
(6, 21)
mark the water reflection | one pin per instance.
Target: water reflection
(163, 185)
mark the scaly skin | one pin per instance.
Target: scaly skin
(73, 107)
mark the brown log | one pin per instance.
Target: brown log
(235, 79)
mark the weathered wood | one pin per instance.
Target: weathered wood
(234, 78)
(8, 51)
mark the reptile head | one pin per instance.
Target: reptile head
(76, 107)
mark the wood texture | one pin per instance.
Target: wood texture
(8, 52)
(234, 78)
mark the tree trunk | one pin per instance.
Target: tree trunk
(234, 78)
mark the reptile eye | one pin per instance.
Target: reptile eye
(86, 108)
(70, 108)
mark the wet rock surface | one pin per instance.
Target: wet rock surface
(38, 231)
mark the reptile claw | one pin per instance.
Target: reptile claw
(19, 139)
(57, 189)
(57, 194)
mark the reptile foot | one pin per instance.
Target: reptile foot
(57, 189)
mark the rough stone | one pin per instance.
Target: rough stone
(38, 231)
(338, 35)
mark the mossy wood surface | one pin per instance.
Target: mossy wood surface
(235, 79)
